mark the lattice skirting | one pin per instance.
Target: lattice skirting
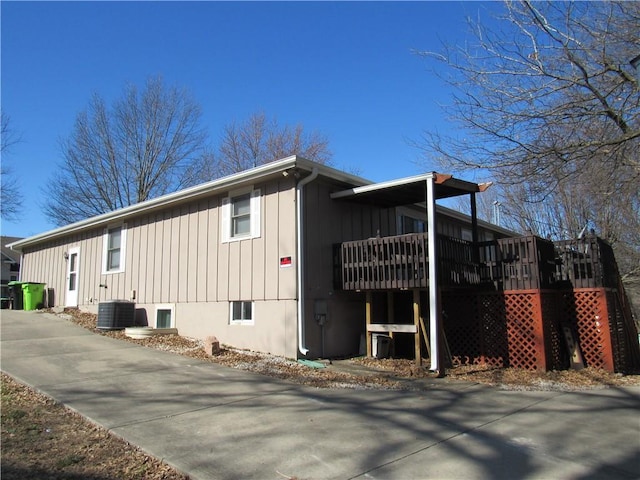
(473, 334)
(508, 329)
(607, 339)
(522, 329)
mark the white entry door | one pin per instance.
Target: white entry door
(72, 277)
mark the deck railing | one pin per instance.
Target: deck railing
(401, 262)
(519, 263)
(384, 263)
(459, 262)
(587, 262)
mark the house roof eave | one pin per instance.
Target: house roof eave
(262, 172)
(205, 189)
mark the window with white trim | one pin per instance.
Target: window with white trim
(164, 316)
(114, 241)
(241, 215)
(241, 313)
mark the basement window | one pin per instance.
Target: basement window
(241, 313)
(164, 316)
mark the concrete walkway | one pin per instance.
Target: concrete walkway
(213, 422)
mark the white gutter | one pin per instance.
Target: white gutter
(300, 264)
(21, 263)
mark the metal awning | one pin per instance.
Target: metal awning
(409, 190)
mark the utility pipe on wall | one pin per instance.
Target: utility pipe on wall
(300, 254)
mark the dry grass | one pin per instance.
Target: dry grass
(513, 378)
(43, 439)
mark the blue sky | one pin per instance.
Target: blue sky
(346, 69)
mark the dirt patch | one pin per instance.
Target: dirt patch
(514, 378)
(43, 439)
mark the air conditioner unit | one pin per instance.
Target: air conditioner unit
(116, 315)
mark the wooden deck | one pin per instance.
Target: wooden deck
(512, 295)
(401, 263)
(520, 263)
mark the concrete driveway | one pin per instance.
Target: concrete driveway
(213, 422)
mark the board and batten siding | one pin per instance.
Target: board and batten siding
(329, 222)
(176, 256)
(47, 263)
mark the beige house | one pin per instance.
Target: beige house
(252, 258)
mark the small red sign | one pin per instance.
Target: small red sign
(285, 262)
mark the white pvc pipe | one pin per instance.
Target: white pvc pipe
(300, 263)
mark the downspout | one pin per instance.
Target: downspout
(21, 264)
(300, 254)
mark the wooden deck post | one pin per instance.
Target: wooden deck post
(416, 321)
(475, 248)
(391, 317)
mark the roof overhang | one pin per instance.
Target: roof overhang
(406, 191)
(294, 165)
(409, 190)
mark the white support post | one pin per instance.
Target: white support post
(434, 297)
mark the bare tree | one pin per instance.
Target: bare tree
(10, 200)
(547, 102)
(146, 144)
(530, 97)
(260, 140)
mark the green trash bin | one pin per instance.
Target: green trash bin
(33, 295)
